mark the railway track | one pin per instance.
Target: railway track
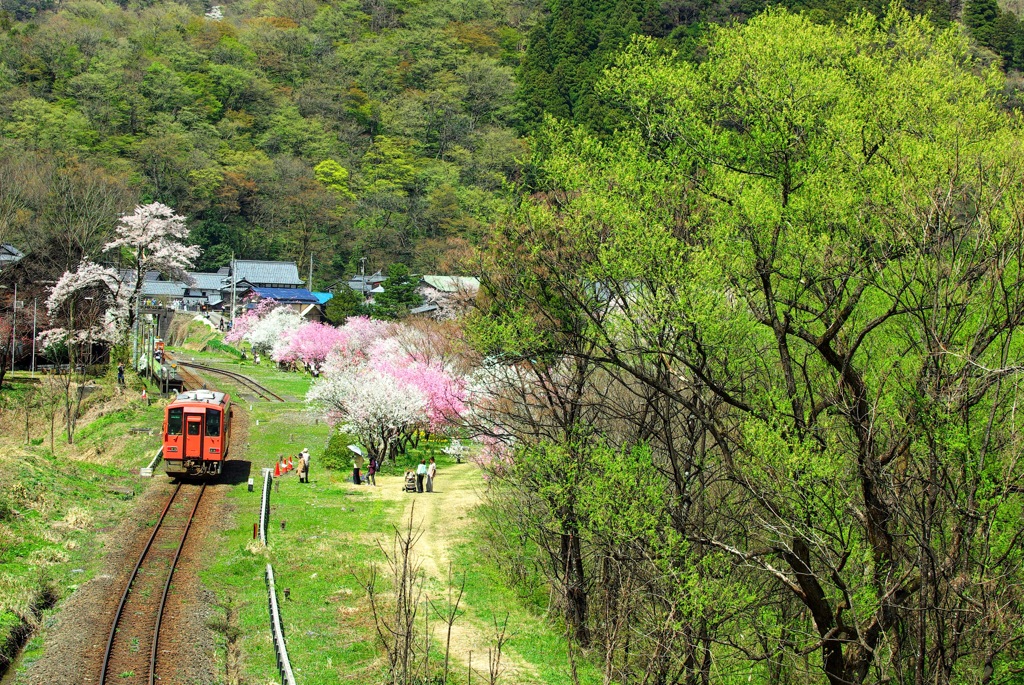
(246, 382)
(140, 612)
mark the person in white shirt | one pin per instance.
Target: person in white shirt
(431, 472)
(421, 471)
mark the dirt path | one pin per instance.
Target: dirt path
(442, 517)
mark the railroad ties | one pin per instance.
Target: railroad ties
(193, 382)
(133, 647)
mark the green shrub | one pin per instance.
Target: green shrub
(7, 511)
(220, 346)
(336, 456)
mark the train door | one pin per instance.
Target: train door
(194, 436)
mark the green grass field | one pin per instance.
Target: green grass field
(331, 535)
(52, 505)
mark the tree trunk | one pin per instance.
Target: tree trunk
(575, 588)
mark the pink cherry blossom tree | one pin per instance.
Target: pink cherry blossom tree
(359, 335)
(367, 403)
(443, 391)
(311, 344)
(247, 320)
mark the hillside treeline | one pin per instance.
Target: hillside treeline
(378, 129)
(382, 129)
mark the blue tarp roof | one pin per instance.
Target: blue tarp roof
(322, 298)
(286, 295)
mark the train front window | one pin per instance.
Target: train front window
(212, 423)
(193, 428)
(174, 421)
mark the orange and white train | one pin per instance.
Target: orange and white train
(197, 433)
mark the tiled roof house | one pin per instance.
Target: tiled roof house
(267, 274)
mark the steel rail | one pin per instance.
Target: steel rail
(167, 586)
(128, 587)
(261, 390)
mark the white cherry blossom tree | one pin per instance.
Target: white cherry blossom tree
(272, 328)
(369, 404)
(152, 238)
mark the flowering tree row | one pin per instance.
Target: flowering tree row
(381, 381)
(381, 384)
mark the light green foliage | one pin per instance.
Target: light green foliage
(388, 168)
(794, 276)
(49, 125)
(334, 177)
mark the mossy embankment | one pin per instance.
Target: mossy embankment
(189, 331)
(56, 504)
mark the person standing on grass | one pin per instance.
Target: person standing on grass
(431, 472)
(120, 373)
(371, 472)
(421, 471)
(304, 465)
(357, 463)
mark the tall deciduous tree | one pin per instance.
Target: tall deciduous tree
(797, 279)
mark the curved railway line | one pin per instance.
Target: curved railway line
(133, 645)
(190, 379)
(139, 614)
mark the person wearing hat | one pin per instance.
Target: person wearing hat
(357, 463)
(304, 465)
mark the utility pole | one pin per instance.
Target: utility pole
(35, 309)
(310, 272)
(14, 324)
(362, 273)
(233, 288)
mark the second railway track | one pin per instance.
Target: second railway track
(133, 647)
(244, 381)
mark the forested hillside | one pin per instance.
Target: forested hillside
(379, 129)
(382, 129)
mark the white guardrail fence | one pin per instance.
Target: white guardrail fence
(268, 479)
(284, 665)
(147, 471)
(277, 630)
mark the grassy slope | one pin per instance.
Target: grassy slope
(55, 504)
(331, 534)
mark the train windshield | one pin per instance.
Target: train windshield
(212, 423)
(174, 421)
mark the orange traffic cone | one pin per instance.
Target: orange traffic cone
(291, 465)
(277, 470)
